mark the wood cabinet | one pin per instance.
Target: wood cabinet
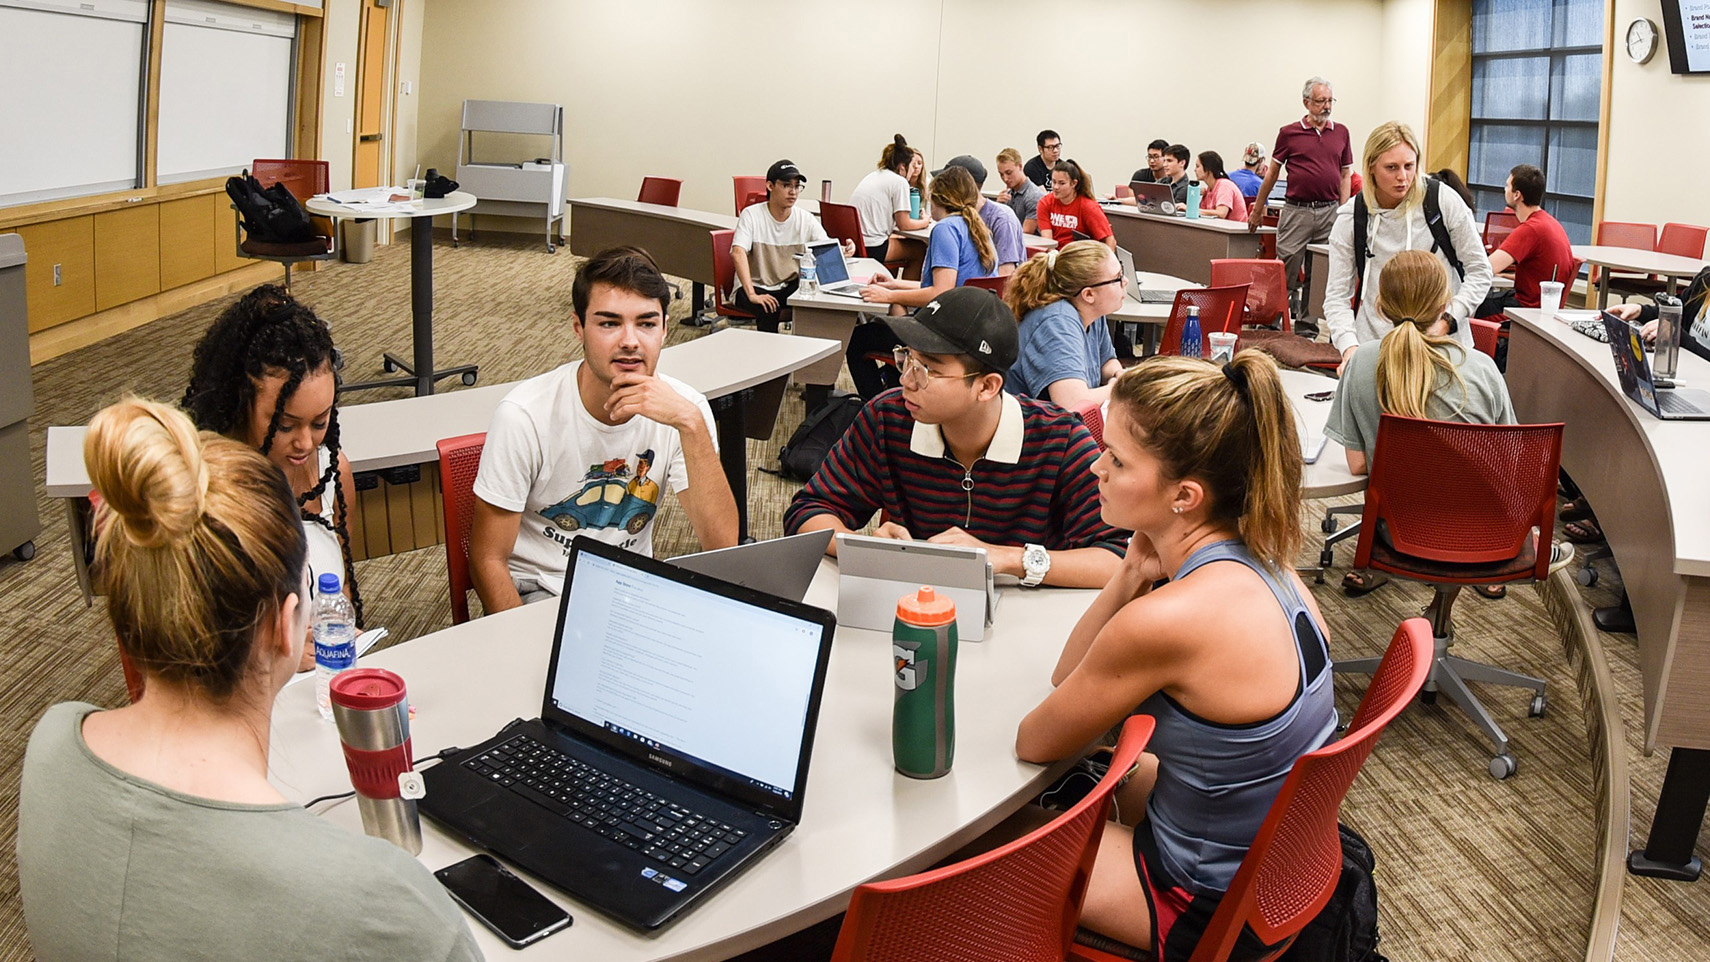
(127, 255)
(67, 246)
(186, 242)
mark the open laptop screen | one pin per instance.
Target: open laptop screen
(705, 680)
(828, 261)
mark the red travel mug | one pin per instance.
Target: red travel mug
(373, 717)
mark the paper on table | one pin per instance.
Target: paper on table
(365, 195)
(364, 643)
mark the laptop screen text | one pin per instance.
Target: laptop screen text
(829, 265)
(687, 671)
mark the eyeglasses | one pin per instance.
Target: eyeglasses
(1056, 146)
(1118, 279)
(912, 371)
(1321, 101)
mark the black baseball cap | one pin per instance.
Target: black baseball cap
(784, 170)
(969, 164)
(963, 320)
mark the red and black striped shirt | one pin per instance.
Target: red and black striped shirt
(1034, 486)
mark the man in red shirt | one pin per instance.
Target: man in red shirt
(1319, 158)
(1538, 249)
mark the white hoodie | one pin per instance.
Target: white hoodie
(1389, 232)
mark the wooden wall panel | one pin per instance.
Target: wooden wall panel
(225, 236)
(69, 244)
(1449, 125)
(398, 517)
(127, 255)
(187, 240)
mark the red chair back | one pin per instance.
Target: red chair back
(724, 273)
(303, 178)
(1498, 224)
(1123, 190)
(843, 222)
(459, 462)
(660, 190)
(996, 284)
(1295, 862)
(1504, 477)
(1268, 242)
(1020, 901)
(1485, 334)
(1612, 233)
(1267, 290)
(1091, 414)
(1683, 240)
(746, 187)
(1220, 309)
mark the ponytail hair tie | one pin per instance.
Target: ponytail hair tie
(1051, 259)
(1238, 377)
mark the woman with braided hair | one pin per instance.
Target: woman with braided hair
(263, 374)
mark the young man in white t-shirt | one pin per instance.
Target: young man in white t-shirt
(769, 241)
(584, 450)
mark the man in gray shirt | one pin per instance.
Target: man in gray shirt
(1020, 194)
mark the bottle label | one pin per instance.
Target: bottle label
(909, 674)
(335, 649)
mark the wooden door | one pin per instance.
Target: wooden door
(371, 95)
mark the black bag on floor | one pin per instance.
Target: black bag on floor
(270, 214)
(819, 433)
(1346, 930)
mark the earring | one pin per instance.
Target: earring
(1177, 509)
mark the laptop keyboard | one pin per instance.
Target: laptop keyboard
(1157, 297)
(1671, 403)
(662, 830)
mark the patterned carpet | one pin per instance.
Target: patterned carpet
(1468, 867)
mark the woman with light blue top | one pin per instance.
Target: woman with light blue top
(1062, 298)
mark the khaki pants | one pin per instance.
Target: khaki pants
(1296, 228)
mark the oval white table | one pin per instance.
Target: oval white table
(420, 370)
(1670, 266)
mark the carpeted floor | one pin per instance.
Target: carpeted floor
(1468, 867)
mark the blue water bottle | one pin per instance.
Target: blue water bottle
(1192, 342)
(334, 628)
(1193, 200)
(914, 202)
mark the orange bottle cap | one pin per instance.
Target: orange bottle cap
(926, 607)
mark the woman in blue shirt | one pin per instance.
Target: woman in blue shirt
(1062, 298)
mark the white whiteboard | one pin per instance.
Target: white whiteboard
(225, 89)
(70, 93)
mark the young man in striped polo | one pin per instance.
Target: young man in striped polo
(952, 458)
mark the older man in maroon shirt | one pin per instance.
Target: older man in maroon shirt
(1319, 158)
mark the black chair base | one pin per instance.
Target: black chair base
(468, 373)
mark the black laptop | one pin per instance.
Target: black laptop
(654, 773)
(1634, 373)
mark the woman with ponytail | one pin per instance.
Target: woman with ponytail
(881, 199)
(959, 247)
(1062, 298)
(151, 832)
(1206, 628)
(263, 374)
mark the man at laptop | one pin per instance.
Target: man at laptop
(952, 458)
(584, 450)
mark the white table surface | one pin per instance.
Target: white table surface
(449, 204)
(1214, 224)
(861, 820)
(708, 219)
(1329, 475)
(1633, 259)
(1678, 447)
(1034, 242)
(385, 434)
(1131, 311)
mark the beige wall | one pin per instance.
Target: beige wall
(667, 87)
(1655, 117)
(339, 112)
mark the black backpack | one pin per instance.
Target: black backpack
(1440, 241)
(818, 434)
(1346, 930)
(270, 215)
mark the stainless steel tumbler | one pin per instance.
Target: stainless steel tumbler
(373, 717)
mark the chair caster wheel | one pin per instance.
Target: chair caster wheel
(469, 378)
(552, 248)
(25, 551)
(1538, 706)
(1326, 558)
(386, 365)
(1586, 576)
(1328, 525)
(1427, 697)
(1503, 766)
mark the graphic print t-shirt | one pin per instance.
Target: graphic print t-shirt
(572, 476)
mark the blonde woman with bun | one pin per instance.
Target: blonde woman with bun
(1062, 297)
(1229, 654)
(151, 832)
(1417, 370)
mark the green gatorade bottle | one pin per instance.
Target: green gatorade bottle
(923, 717)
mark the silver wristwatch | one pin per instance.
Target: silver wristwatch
(1037, 562)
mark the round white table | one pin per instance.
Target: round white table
(420, 371)
(1670, 266)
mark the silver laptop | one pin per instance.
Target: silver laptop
(1126, 259)
(1154, 198)
(1634, 373)
(874, 572)
(833, 270)
(781, 566)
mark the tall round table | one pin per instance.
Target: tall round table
(1671, 266)
(419, 370)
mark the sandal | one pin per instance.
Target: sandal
(1359, 582)
(1493, 592)
(1576, 510)
(1583, 531)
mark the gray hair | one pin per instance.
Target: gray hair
(1306, 91)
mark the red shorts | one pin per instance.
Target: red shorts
(1179, 917)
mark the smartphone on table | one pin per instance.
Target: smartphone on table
(1320, 395)
(512, 908)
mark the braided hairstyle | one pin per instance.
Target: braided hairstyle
(268, 333)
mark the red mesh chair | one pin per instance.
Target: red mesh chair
(459, 461)
(1267, 290)
(1020, 901)
(1682, 240)
(304, 179)
(1612, 233)
(1268, 242)
(1220, 309)
(1485, 335)
(1123, 190)
(997, 284)
(1295, 862)
(1498, 224)
(843, 222)
(746, 187)
(660, 190)
(1091, 414)
(724, 275)
(1497, 529)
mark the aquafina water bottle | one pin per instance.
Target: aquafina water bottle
(334, 628)
(810, 274)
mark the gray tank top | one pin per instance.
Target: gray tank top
(1217, 782)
